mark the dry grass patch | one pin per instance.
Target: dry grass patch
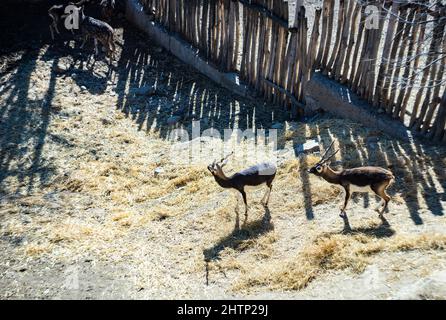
(71, 231)
(336, 252)
(34, 250)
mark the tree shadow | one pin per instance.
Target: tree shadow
(195, 97)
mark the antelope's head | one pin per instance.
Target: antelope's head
(319, 168)
(216, 167)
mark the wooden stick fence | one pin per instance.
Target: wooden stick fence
(398, 65)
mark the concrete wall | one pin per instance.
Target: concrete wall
(183, 50)
(328, 95)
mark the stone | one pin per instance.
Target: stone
(310, 146)
(158, 171)
(106, 121)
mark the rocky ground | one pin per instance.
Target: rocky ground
(93, 203)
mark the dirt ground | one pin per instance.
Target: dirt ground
(94, 206)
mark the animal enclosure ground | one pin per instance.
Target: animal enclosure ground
(83, 214)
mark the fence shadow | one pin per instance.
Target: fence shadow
(24, 113)
(143, 67)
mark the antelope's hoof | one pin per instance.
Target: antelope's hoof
(343, 215)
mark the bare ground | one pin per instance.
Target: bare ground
(83, 215)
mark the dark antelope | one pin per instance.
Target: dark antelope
(263, 173)
(107, 9)
(99, 31)
(57, 13)
(362, 179)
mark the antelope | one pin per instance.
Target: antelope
(263, 173)
(99, 31)
(361, 179)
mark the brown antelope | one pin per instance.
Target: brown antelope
(361, 179)
(263, 173)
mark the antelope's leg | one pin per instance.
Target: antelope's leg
(96, 51)
(244, 200)
(267, 194)
(84, 41)
(380, 190)
(57, 28)
(238, 202)
(347, 198)
(264, 196)
(55, 23)
(53, 27)
(52, 32)
(237, 218)
(112, 46)
(380, 204)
